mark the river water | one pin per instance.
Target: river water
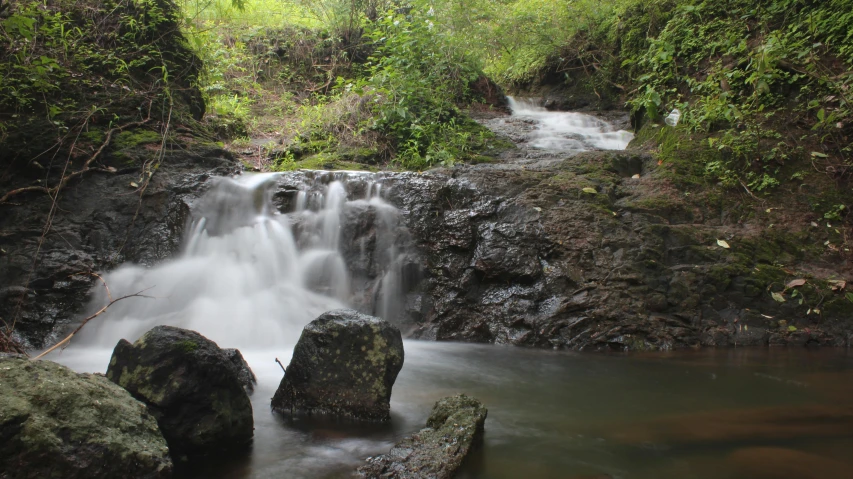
(251, 277)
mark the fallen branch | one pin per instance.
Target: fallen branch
(86, 166)
(98, 313)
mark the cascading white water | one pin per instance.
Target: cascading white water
(249, 277)
(568, 131)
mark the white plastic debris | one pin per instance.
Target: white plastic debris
(673, 117)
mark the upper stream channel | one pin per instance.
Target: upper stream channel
(265, 254)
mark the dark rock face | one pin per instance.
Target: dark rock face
(99, 224)
(191, 387)
(57, 423)
(241, 367)
(454, 428)
(518, 252)
(344, 364)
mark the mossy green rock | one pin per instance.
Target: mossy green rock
(454, 429)
(55, 423)
(191, 386)
(344, 364)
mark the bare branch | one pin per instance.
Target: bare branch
(86, 320)
(86, 166)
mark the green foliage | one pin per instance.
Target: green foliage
(415, 78)
(66, 64)
(735, 69)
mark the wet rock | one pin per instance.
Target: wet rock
(344, 364)
(782, 463)
(454, 429)
(57, 423)
(99, 224)
(191, 386)
(244, 372)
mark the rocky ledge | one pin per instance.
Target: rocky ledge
(594, 251)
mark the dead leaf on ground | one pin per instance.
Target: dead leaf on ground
(722, 243)
(795, 283)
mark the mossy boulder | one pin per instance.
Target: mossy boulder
(191, 386)
(344, 364)
(454, 429)
(55, 423)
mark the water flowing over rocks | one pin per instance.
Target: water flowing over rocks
(545, 246)
(344, 364)
(191, 386)
(57, 423)
(550, 246)
(454, 429)
(100, 223)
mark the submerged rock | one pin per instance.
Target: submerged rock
(57, 423)
(244, 372)
(344, 364)
(191, 387)
(454, 428)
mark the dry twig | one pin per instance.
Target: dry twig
(93, 316)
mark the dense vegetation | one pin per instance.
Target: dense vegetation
(762, 81)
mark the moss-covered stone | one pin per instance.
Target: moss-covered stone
(454, 429)
(324, 161)
(191, 386)
(135, 138)
(344, 364)
(55, 423)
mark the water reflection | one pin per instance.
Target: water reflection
(560, 414)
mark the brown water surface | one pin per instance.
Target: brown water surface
(718, 414)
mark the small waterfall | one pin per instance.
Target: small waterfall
(251, 276)
(568, 131)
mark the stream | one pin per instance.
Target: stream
(252, 275)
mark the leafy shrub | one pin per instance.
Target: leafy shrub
(415, 77)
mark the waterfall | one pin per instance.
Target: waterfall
(568, 131)
(251, 276)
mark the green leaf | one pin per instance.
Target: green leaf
(778, 297)
(849, 297)
(589, 190)
(792, 329)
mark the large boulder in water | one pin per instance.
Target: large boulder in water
(344, 364)
(57, 423)
(454, 429)
(191, 386)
